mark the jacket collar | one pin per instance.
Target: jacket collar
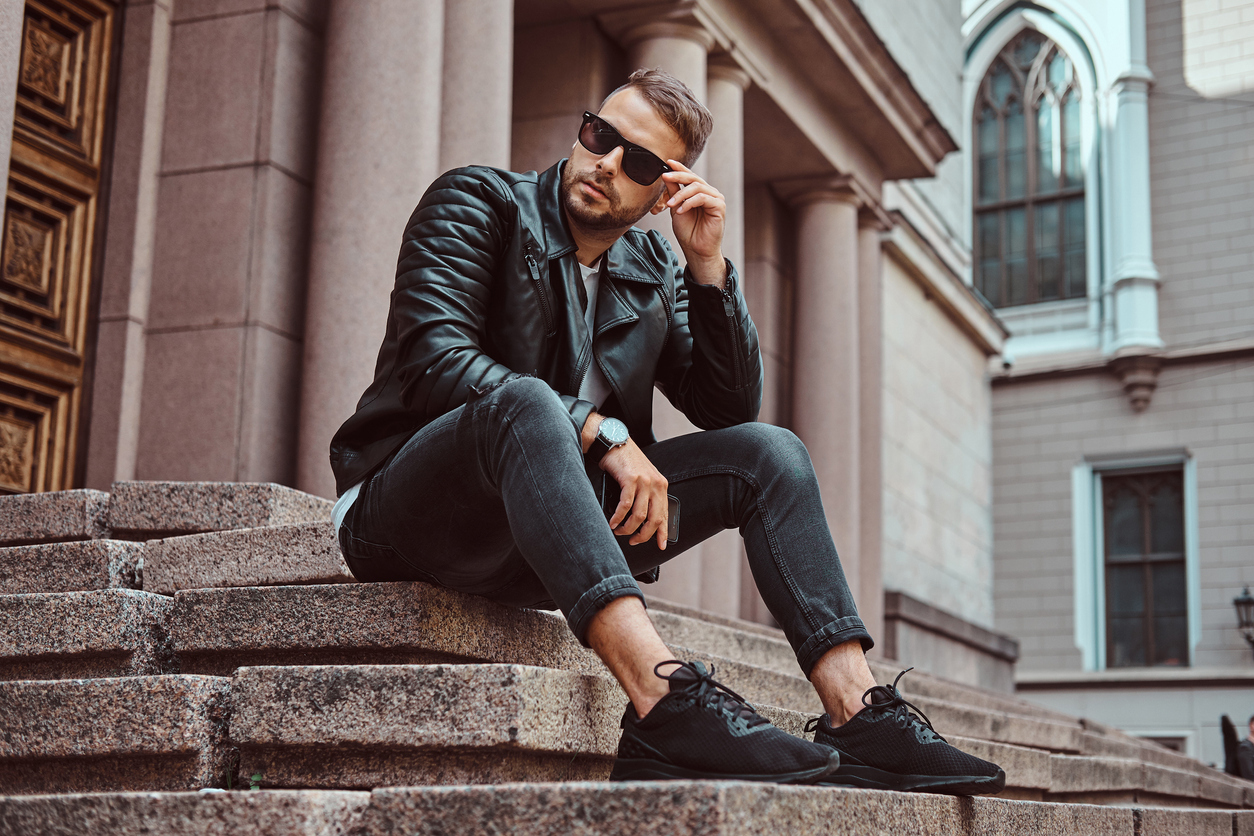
(623, 259)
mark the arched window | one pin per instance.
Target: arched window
(1029, 186)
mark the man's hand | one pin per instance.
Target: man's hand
(698, 215)
(642, 508)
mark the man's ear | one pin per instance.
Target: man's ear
(660, 205)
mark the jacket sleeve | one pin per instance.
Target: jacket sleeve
(711, 369)
(449, 259)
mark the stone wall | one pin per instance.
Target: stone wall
(937, 456)
(1202, 167)
(1042, 429)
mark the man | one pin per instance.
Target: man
(1245, 754)
(528, 327)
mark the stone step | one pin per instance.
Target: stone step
(134, 733)
(71, 567)
(147, 510)
(364, 726)
(687, 808)
(105, 633)
(740, 809)
(53, 517)
(298, 553)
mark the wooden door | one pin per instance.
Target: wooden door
(48, 245)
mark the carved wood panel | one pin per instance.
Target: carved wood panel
(47, 238)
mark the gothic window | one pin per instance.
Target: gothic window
(1146, 599)
(1029, 186)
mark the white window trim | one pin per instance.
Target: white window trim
(1087, 538)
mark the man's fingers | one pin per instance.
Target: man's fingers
(700, 200)
(639, 513)
(663, 534)
(625, 501)
(655, 523)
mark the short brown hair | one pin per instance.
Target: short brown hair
(677, 106)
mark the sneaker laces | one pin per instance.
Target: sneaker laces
(888, 699)
(708, 691)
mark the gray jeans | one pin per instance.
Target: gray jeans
(494, 499)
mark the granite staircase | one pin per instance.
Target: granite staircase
(165, 638)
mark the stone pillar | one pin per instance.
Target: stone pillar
(680, 49)
(379, 149)
(826, 365)
(724, 567)
(12, 16)
(478, 83)
(870, 590)
(126, 275)
(725, 152)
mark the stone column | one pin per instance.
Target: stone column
(826, 365)
(12, 16)
(724, 567)
(126, 275)
(379, 149)
(680, 49)
(478, 83)
(870, 590)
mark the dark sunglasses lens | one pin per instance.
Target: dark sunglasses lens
(598, 137)
(643, 166)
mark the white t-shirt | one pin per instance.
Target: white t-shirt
(594, 388)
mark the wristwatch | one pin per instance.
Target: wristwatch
(610, 434)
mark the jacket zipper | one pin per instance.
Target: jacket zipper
(729, 308)
(549, 327)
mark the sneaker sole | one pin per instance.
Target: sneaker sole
(647, 769)
(868, 777)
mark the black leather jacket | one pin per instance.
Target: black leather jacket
(488, 287)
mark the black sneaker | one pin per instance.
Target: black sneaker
(704, 730)
(889, 746)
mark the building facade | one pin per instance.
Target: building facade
(1110, 186)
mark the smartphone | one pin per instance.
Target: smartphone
(609, 501)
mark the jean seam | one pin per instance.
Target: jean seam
(591, 600)
(767, 525)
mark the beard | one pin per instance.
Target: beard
(580, 210)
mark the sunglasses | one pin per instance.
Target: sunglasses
(640, 164)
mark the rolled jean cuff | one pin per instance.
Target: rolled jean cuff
(837, 632)
(615, 586)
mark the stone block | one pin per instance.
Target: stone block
(751, 647)
(276, 555)
(111, 735)
(1025, 768)
(217, 630)
(1219, 789)
(362, 726)
(283, 813)
(53, 517)
(1243, 823)
(1076, 774)
(713, 808)
(1166, 822)
(70, 567)
(144, 510)
(65, 635)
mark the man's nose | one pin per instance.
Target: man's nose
(611, 162)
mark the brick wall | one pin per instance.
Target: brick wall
(1042, 429)
(937, 456)
(1202, 166)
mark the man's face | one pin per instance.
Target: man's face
(596, 194)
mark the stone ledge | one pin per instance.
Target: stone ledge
(109, 735)
(146, 510)
(53, 517)
(68, 635)
(289, 813)
(277, 555)
(70, 567)
(362, 726)
(721, 809)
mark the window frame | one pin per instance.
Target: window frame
(1088, 539)
(1077, 325)
(1030, 90)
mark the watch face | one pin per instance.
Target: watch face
(613, 431)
